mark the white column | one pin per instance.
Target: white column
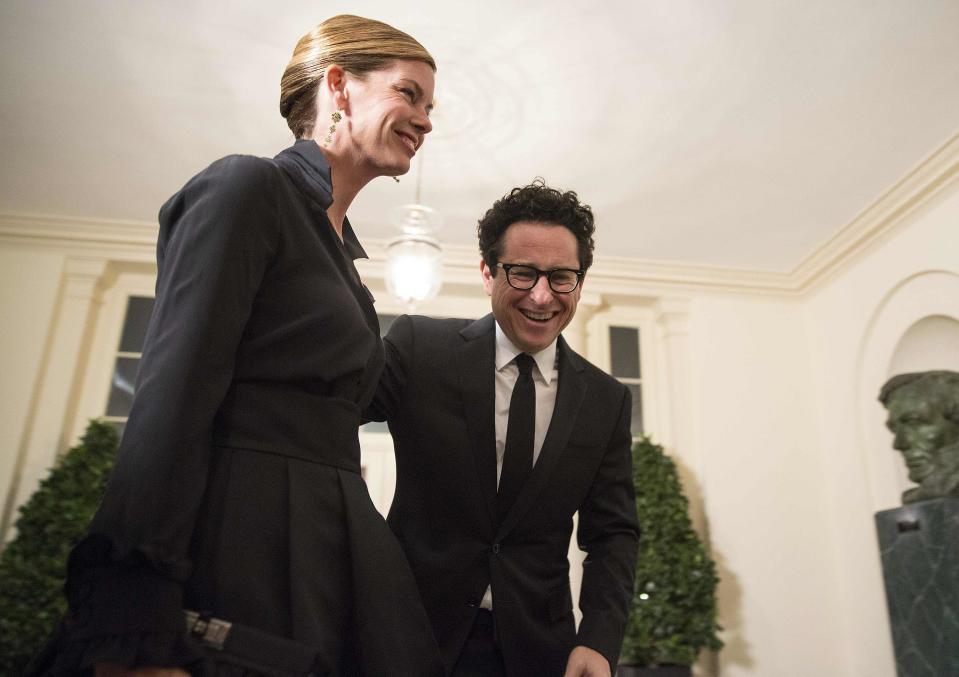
(677, 433)
(576, 332)
(577, 335)
(45, 429)
(672, 317)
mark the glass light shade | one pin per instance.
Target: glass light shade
(414, 269)
(417, 220)
(414, 260)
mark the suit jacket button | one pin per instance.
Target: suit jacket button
(496, 548)
(472, 603)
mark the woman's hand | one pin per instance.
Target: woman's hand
(114, 670)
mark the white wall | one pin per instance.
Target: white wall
(790, 454)
(855, 321)
(930, 343)
(29, 284)
(761, 482)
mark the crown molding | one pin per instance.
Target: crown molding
(624, 274)
(109, 238)
(136, 241)
(609, 274)
(933, 176)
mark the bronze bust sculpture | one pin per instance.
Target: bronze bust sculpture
(924, 417)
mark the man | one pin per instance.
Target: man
(924, 417)
(502, 432)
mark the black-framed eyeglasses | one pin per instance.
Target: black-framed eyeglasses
(524, 278)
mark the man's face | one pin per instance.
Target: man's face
(921, 433)
(533, 319)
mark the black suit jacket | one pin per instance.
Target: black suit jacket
(437, 394)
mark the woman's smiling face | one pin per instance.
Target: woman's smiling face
(386, 116)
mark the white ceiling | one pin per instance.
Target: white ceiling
(726, 132)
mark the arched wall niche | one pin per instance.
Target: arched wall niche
(915, 327)
(930, 343)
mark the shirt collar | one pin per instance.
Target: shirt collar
(506, 352)
(307, 166)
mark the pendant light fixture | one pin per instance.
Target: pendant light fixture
(414, 259)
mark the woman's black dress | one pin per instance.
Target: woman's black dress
(237, 489)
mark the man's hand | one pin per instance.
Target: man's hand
(584, 662)
(114, 670)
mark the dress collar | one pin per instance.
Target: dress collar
(307, 166)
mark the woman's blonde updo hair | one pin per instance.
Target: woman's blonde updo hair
(356, 44)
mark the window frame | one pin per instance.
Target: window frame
(650, 366)
(94, 392)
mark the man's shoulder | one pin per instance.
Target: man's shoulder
(596, 376)
(432, 333)
(438, 325)
(423, 327)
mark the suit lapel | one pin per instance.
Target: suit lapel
(569, 397)
(475, 361)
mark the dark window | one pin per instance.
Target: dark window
(135, 321)
(624, 364)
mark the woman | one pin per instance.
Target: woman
(237, 492)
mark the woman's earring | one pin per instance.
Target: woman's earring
(335, 117)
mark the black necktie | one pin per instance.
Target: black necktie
(518, 454)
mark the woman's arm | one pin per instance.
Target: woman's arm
(216, 243)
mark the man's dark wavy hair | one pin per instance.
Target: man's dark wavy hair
(541, 204)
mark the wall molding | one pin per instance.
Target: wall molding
(135, 241)
(111, 238)
(930, 178)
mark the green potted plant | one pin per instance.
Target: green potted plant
(33, 565)
(673, 615)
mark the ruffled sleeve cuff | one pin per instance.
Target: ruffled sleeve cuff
(120, 611)
(79, 657)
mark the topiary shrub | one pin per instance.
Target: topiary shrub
(674, 601)
(33, 565)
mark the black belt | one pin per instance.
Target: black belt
(347, 463)
(287, 420)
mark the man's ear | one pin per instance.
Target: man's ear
(487, 278)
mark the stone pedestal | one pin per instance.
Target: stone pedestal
(919, 544)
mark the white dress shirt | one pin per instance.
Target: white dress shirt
(545, 381)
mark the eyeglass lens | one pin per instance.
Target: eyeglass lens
(524, 277)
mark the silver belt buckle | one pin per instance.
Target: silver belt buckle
(211, 631)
